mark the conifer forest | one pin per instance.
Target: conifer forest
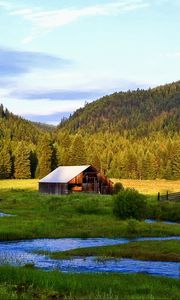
(132, 134)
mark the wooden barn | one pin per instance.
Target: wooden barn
(67, 179)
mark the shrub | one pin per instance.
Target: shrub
(129, 203)
(117, 188)
(132, 226)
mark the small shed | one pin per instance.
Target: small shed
(68, 179)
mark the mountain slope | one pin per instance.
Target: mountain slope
(16, 128)
(139, 112)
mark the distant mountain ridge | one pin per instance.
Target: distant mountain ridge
(139, 112)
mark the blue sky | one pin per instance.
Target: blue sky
(57, 55)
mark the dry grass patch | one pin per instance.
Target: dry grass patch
(151, 187)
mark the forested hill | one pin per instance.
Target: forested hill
(139, 112)
(124, 135)
(25, 147)
(16, 128)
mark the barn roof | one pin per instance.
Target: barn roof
(63, 174)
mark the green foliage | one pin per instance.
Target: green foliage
(22, 162)
(117, 188)
(46, 156)
(132, 226)
(77, 151)
(129, 203)
(5, 161)
(168, 210)
(138, 112)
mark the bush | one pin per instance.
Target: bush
(117, 188)
(132, 226)
(129, 203)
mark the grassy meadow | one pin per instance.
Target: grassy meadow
(75, 215)
(83, 215)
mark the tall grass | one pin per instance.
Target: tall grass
(36, 284)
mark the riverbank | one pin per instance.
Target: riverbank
(143, 250)
(26, 283)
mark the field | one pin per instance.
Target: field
(20, 184)
(151, 187)
(75, 215)
(84, 215)
(148, 187)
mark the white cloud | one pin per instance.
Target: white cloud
(5, 5)
(173, 54)
(27, 107)
(58, 18)
(48, 20)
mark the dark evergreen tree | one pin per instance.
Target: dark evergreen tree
(45, 151)
(33, 163)
(5, 161)
(22, 162)
(77, 151)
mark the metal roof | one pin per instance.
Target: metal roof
(63, 174)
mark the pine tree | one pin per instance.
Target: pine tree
(175, 164)
(45, 152)
(22, 162)
(5, 162)
(33, 163)
(96, 162)
(63, 148)
(77, 151)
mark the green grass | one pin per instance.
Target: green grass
(144, 250)
(24, 283)
(79, 215)
(75, 215)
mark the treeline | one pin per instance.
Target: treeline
(23, 160)
(116, 156)
(125, 135)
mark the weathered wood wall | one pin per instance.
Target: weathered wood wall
(53, 188)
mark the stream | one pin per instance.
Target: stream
(19, 253)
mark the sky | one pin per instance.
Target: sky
(57, 55)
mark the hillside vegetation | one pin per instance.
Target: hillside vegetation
(139, 113)
(131, 135)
